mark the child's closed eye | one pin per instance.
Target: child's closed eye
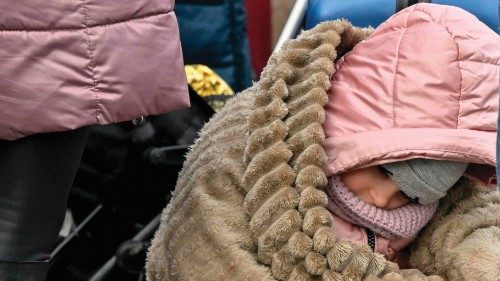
(402, 196)
(384, 171)
(408, 199)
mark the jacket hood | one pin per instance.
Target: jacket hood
(423, 85)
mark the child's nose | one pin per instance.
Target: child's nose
(382, 201)
(385, 196)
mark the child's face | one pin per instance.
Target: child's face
(374, 186)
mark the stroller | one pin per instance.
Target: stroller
(125, 177)
(113, 225)
(247, 205)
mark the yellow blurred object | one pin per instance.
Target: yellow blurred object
(208, 85)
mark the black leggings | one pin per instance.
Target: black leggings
(36, 173)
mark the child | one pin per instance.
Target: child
(385, 206)
(250, 201)
(401, 106)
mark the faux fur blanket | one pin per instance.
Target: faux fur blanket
(249, 203)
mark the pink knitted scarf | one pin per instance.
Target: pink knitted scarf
(403, 222)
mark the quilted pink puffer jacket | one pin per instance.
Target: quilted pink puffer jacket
(65, 64)
(425, 84)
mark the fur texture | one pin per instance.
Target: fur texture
(249, 203)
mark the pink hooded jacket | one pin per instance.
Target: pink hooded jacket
(424, 84)
(68, 64)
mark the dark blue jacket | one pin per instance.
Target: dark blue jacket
(213, 32)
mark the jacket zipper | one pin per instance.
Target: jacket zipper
(371, 238)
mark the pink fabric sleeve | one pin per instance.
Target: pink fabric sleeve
(393, 250)
(348, 231)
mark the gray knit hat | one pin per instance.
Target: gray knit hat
(425, 180)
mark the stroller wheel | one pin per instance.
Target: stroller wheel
(131, 256)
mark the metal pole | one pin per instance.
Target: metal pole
(104, 270)
(293, 23)
(110, 264)
(75, 232)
